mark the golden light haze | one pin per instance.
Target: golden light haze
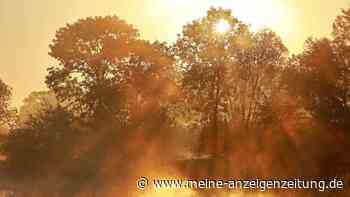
(27, 26)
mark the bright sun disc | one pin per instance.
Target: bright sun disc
(222, 26)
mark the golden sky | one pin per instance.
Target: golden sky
(28, 26)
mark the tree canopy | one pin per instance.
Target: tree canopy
(233, 74)
(102, 64)
(5, 95)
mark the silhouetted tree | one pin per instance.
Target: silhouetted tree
(35, 104)
(231, 74)
(5, 95)
(102, 63)
(38, 153)
(319, 78)
(87, 52)
(341, 44)
(321, 75)
(256, 79)
(205, 59)
(120, 84)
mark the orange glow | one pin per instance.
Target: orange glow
(29, 31)
(222, 26)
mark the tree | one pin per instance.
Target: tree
(38, 153)
(5, 112)
(204, 57)
(231, 74)
(101, 61)
(341, 28)
(341, 45)
(319, 78)
(87, 52)
(117, 82)
(256, 81)
(35, 104)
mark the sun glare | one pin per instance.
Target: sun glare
(222, 26)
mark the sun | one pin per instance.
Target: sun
(222, 26)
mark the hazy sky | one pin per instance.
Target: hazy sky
(28, 26)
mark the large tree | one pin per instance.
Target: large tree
(256, 80)
(107, 75)
(322, 75)
(231, 72)
(101, 64)
(205, 59)
(341, 44)
(319, 78)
